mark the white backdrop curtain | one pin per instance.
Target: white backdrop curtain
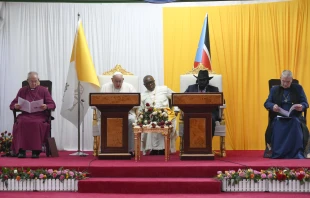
(39, 37)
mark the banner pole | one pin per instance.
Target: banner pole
(79, 104)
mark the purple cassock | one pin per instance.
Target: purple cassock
(31, 129)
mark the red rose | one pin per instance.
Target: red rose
(300, 177)
(150, 109)
(281, 176)
(5, 132)
(162, 126)
(9, 134)
(147, 104)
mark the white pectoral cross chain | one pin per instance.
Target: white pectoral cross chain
(286, 97)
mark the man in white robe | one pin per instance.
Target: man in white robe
(158, 97)
(117, 85)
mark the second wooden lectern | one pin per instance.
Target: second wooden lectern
(114, 108)
(197, 108)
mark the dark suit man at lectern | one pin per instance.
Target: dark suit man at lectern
(202, 86)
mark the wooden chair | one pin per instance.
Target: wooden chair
(220, 128)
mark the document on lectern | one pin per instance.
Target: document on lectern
(30, 107)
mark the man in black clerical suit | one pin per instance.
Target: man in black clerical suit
(202, 86)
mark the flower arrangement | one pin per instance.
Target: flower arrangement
(25, 174)
(152, 117)
(5, 143)
(273, 173)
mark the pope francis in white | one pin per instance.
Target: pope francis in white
(118, 86)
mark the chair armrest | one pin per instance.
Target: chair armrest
(223, 106)
(14, 114)
(49, 114)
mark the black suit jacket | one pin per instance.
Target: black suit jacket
(194, 89)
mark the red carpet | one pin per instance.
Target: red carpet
(97, 195)
(150, 185)
(152, 174)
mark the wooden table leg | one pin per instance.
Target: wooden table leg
(139, 146)
(168, 145)
(136, 147)
(166, 149)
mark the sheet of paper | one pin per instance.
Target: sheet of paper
(283, 112)
(35, 106)
(287, 113)
(30, 107)
(24, 104)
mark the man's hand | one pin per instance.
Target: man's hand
(298, 107)
(275, 108)
(44, 106)
(17, 106)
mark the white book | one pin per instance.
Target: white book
(30, 107)
(288, 113)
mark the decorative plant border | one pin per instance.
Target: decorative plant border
(21, 179)
(273, 179)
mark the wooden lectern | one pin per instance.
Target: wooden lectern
(114, 108)
(197, 108)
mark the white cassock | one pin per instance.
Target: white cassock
(155, 141)
(126, 88)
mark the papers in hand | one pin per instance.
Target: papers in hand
(288, 113)
(30, 107)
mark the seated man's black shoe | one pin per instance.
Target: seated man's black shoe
(158, 152)
(132, 154)
(21, 153)
(154, 152)
(35, 154)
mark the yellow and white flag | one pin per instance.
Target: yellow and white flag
(81, 70)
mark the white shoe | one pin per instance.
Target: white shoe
(143, 152)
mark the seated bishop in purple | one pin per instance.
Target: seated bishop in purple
(31, 129)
